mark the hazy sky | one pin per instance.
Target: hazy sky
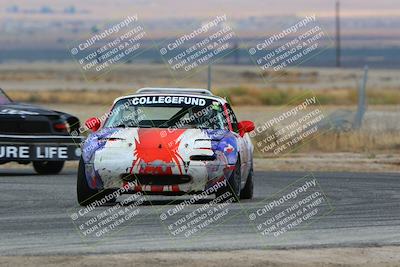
(206, 8)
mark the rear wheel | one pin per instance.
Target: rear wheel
(247, 191)
(48, 167)
(233, 185)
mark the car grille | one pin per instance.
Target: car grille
(146, 179)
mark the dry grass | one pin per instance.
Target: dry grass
(369, 142)
(357, 141)
(330, 96)
(237, 96)
(287, 76)
(84, 97)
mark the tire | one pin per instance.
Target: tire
(233, 185)
(247, 191)
(85, 194)
(48, 167)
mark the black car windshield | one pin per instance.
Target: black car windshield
(167, 111)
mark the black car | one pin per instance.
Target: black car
(30, 133)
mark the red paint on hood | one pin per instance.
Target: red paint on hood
(157, 151)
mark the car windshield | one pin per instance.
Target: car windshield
(167, 111)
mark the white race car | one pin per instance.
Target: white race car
(167, 141)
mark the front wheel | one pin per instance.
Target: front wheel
(48, 167)
(84, 192)
(87, 195)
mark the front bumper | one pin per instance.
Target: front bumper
(195, 177)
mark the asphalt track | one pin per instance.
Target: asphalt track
(35, 210)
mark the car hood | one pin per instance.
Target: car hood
(24, 109)
(159, 134)
(159, 142)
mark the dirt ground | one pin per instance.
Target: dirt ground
(374, 256)
(331, 162)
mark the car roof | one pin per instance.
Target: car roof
(195, 92)
(174, 90)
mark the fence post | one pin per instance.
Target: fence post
(361, 100)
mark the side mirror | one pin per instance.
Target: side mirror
(245, 127)
(93, 124)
